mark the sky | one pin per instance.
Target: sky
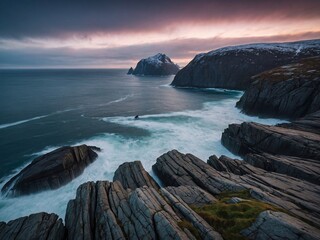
(116, 34)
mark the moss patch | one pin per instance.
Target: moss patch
(230, 219)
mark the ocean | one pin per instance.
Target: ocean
(42, 110)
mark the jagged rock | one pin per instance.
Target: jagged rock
(254, 138)
(192, 195)
(301, 168)
(159, 64)
(205, 230)
(309, 123)
(298, 197)
(51, 170)
(277, 226)
(36, 226)
(132, 175)
(232, 67)
(130, 71)
(290, 91)
(177, 169)
(105, 210)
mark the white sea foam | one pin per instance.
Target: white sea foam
(6, 125)
(197, 132)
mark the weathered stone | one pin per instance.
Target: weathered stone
(132, 175)
(232, 67)
(42, 226)
(277, 226)
(255, 138)
(296, 196)
(192, 195)
(51, 171)
(289, 91)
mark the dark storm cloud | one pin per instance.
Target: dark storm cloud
(51, 18)
(129, 55)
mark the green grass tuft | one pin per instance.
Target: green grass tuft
(230, 219)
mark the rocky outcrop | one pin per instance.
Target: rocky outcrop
(290, 91)
(157, 65)
(36, 226)
(251, 137)
(132, 175)
(233, 67)
(105, 210)
(192, 195)
(51, 171)
(298, 197)
(277, 226)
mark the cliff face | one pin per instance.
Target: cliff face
(157, 65)
(289, 91)
(233, 67)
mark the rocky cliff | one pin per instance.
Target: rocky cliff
(233, 67)
(157, 65)
(290, 91)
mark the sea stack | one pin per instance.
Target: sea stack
(157, 65)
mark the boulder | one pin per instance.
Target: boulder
(157, 65)
(36, 226)
(232, 67)
(132, 175)
(51, 170)
(277, 226)
(290, 91)
(130, 71)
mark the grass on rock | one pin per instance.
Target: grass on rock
(229, 219)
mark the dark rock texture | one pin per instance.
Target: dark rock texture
(51, 171)
(278, 226)
(105, 210)
(289, 91)
(132, 175)
(157, 65)
(298, 197)
(233, 67)
(36, 226)
(254, 138)
(130, 71)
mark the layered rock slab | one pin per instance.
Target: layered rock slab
(277, 226)
(132, 175)
(296, 196)
(51, 170)
(36, 226)
(106, 210)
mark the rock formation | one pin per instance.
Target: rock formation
(105, 210)
(36, 226)
(290, 91)
(130, 71)
(233, 67)
(51, 170)
(277, 226)
(132, 175)
(157, 65)
(298, 197)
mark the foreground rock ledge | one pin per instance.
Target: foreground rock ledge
(51, 171)
(35, 226)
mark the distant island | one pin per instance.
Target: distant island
(157, 65)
